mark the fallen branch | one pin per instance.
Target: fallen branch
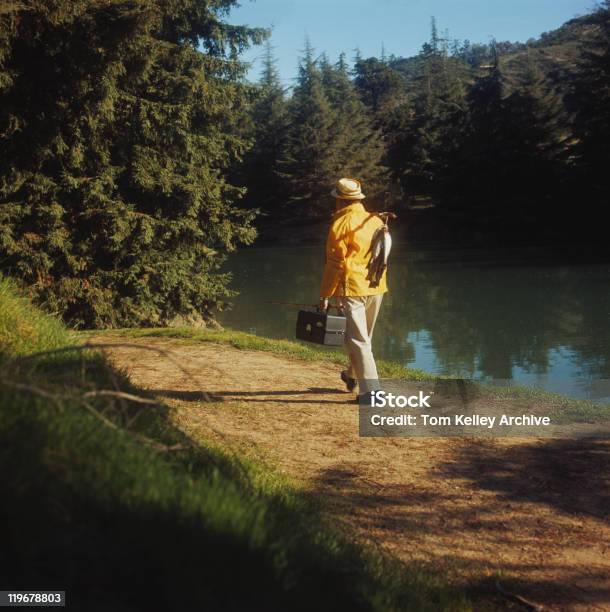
(111, 345)
(158, 446)
(518, 599)
(120, 394)
(32, 389)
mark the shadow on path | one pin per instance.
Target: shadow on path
(572, 476)
(253, 396)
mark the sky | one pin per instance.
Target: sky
(401, 26)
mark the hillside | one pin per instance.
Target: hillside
(556, 52)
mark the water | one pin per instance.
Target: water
(541, 325)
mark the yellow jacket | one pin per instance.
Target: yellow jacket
(348, 253)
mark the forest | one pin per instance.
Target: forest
(135, 155)
(499, 143)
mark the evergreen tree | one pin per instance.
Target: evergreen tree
(591, 98)
(482, 169)
(537, 131)
(268, 126)
(117, 125)
(546, 108)
(434, 39)
(513, 148)
(358, 147)
(380, 87)
(304, 165)
(424, 132)
(330, 136)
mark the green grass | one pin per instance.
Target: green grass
(25, 328)
(105, 498)
(563, 409)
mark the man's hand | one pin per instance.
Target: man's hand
(323, 304)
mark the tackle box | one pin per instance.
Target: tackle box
(320, 328)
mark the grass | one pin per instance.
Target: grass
(561, 408)
(25, 328)
(105, 498)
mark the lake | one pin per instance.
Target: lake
(448, 312)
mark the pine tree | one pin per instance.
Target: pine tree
(513, 146)
(268, 127)
(591, 98)
(304, 166)
(482, 159)
(537, 129)
(330, 136)
(358, 148)
(547, 108)
(380, 87)
(424, 132)
(117, 125)
(434, 39)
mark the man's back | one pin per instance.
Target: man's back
(348, 253)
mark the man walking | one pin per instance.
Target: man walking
(347, 276)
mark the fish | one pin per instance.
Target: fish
(381, 245)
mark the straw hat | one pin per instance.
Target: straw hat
(348, 189)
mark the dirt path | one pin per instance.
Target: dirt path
(536, 511)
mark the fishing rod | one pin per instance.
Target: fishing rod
(294, 305)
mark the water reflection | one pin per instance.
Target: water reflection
(540, 325)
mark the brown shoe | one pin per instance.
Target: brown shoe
(350, 383)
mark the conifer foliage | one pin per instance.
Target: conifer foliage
(424, 131)
(331, 134)
(591, 98)
(117, 123)
(266, 127)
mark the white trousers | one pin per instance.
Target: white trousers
(361, 314)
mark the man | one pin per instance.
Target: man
(346, 275)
